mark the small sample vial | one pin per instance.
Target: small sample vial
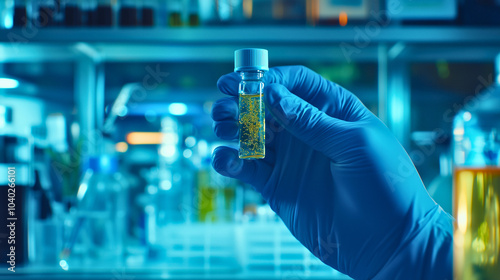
(252, 65)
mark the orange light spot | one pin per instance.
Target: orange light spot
(144, 138)
(121, 147)
(343, 18)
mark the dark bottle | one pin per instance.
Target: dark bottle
(89, 12)
(47, 11)
(128, 13)
(72, 13)
(194, 13)
(147, 13)
(20, 15)
(104, 13)
(175, 13)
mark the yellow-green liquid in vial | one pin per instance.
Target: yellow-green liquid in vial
(252, 127)
(476, 237)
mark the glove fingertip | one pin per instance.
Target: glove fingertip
(222, 157)
(228, 84)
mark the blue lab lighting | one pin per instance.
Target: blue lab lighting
(177, 109)
(8, 83)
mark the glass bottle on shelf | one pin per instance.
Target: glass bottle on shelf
(72, 13)
(89, 12)
(261, 11)
(128, 13)
(104, 13)
(21, 13)
(193, 13)
(148, 12)
(289, 11)
(174, 8)
(476, 190)
(47, 11)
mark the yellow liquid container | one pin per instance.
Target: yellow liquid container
(477, 227)
(476, 188)
(252, 126)
(251, 64)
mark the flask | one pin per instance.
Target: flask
(252, 65)
(476, 190)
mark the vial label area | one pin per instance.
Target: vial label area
(252, 127)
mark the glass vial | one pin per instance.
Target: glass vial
(252, 65)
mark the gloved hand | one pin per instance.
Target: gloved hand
(338, 178)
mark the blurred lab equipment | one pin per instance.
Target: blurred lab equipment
(96, 227)
(480, 12)
(6, 14)
(422, 9)
(16, 184)
(476, 197)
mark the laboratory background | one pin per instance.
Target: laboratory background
(105, 126)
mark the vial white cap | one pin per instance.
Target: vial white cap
(250, 60)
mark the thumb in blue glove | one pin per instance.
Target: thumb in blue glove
(338, 179)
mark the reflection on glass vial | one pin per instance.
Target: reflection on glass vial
(252, 126)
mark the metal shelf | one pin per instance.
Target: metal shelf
(365, 34)
(216, 44)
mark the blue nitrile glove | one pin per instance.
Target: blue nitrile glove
(339, 179)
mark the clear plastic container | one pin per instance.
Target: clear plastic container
(476, 191)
